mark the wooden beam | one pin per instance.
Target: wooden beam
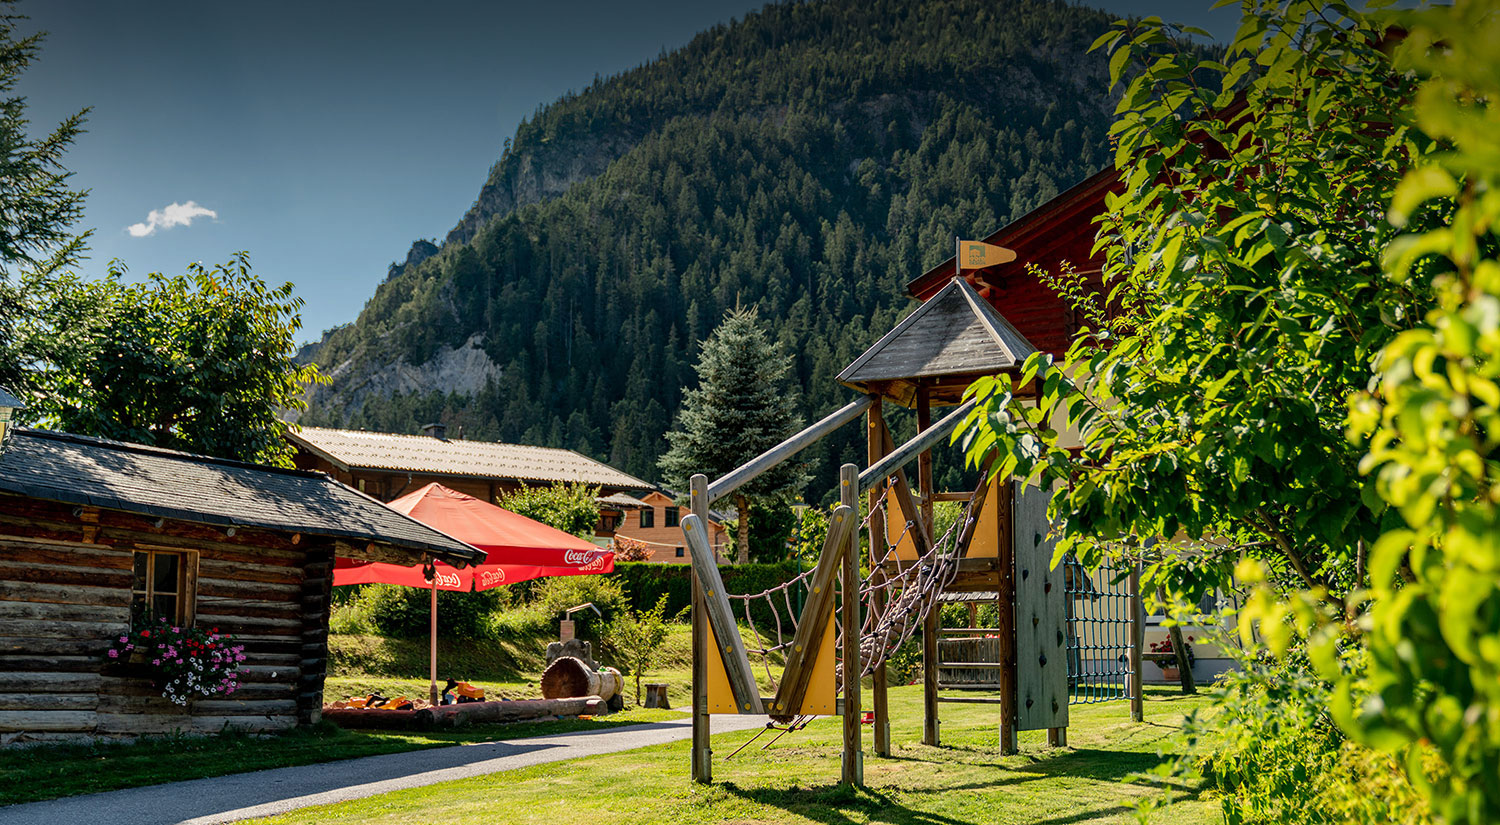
(701, 752)
(924, 458)
(930, 627)
(876, 437)
(747, 472)
(854, 757)
(1137, 639)
(729, 646)
(1005, 604)
(930, 678)
(923, 442)
(815, 614)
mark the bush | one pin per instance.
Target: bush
(555, 595)
(571, 508)
(1275, 756)
(394, 610)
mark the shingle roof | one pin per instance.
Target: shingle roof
(622, 501)
(152, 481)
(8, 400)
(955, 333)
(349, 449)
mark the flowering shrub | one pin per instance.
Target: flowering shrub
(185, 662)
(1165, 646)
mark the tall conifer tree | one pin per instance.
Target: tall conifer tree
(744, 404)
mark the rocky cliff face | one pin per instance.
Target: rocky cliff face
(534, 174)
(463, 370)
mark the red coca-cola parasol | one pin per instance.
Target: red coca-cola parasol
(519, 548)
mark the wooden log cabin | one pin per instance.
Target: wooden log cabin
(93, 533)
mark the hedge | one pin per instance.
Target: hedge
(645, 582)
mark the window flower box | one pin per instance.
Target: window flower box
(184, 663)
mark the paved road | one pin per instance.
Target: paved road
(267, 793)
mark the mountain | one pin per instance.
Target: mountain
(809, 159)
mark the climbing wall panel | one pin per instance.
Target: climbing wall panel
(1041, 618)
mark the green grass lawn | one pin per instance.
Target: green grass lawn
(51, 771)
(1094, 780)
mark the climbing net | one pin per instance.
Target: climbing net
(897, 595)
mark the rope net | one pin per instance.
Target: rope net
(896, 596)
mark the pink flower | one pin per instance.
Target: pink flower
(114, 654)
(124, 638)
(156, 662)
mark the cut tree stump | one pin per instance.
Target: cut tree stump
(656, 696)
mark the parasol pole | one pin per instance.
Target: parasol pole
(432, 691)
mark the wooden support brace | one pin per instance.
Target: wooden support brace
(815, 618)
(730, 646)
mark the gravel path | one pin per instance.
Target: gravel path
(267, 793)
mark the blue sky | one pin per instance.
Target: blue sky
(325, 136)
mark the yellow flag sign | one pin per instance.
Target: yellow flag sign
(978, 255)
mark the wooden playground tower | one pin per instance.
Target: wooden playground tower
(1001, 552)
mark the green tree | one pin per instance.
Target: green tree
(636, 637)
(571, 508)
(1347, 230)
(1246, 305)
(744, 404)
(775, 522)
(201, 362)
(37, 206)
(1432, 422)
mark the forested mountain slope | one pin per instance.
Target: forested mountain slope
(809, 159)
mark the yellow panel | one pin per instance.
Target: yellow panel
(821, 698)
(720, 694)
(895, 527)
(986, 541)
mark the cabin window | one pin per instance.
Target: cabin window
(648, 517)
(679, 552)
(671, 517)
(161, 587)
(607, 523)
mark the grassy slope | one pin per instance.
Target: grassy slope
(795, 781)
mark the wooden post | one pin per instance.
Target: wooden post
(874, 449)
(930, 677)
(702, 754)
(854, 757)
(1137, 639)
(1005, 604)
(930, 659)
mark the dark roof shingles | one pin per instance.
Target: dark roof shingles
(166, 483)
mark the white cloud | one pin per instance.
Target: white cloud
(177, 214)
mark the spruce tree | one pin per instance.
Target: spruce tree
(744, 404)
